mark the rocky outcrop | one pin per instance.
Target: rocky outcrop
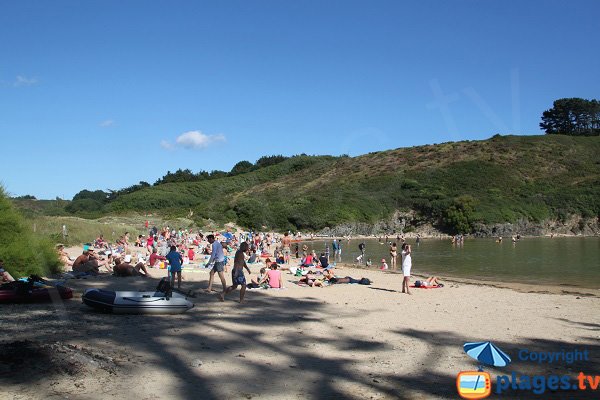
(573, 226)
(410, 223)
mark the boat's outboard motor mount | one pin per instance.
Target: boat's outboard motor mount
(164, 286)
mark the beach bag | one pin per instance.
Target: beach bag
(364, 281)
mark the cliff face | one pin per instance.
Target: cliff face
(574, 226)
(410, 224)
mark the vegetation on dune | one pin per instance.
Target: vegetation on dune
(454, 185)
(80, 230)
(23, 252)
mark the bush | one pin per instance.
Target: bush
(22, 252)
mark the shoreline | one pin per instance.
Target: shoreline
(545, 288)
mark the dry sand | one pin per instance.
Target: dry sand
(343, 341)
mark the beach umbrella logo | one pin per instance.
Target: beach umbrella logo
(487, 353)
(478, 384)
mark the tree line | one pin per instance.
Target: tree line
(92, 202)
(572, 116)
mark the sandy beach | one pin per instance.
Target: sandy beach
(343, 341)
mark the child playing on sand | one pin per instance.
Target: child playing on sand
(255, 283)
(175, 260)
(384, 265)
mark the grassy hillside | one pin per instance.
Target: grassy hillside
(454, 185)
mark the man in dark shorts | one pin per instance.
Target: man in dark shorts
(217, 258)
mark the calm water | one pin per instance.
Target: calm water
(573, 261)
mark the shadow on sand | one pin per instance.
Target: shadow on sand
(202, 333)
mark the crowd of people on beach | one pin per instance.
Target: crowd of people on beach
(174, 250)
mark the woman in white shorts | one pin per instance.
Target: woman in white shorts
(406, 267)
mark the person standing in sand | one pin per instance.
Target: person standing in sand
(361, 248)
(175, 261)
(406, 267)
(237, 274)
(286, 242)
(217, 258)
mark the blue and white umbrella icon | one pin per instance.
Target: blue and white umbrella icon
(487, 353)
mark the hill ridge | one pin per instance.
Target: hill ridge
(455, 186)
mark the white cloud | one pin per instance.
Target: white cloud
(24, 81)
(107, 123)
(198, 140)
(166, 145)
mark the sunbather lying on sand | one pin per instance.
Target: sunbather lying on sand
(124, 268)
(432, 281)
(311, 279)
(348, 279)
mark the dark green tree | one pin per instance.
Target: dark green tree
(97, 195)
(241, 168)
(265, 161)
(572, 116)
(181, 175)
(459, 216)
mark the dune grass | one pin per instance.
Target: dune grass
(81, 230)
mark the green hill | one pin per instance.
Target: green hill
(455, 186)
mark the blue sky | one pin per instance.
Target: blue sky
(104, 94)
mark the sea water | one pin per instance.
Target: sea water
(573, 261)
